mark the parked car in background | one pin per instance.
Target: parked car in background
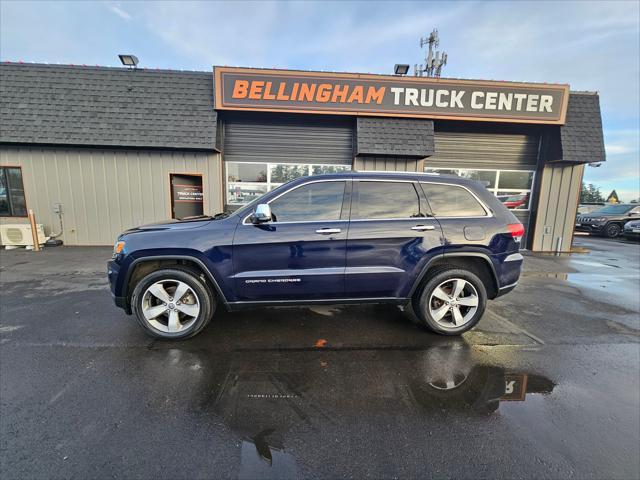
(608, 221)
(632, 230)
(440, 247)
(585, 208)
(514, 201)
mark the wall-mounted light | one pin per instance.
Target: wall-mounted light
(130, 61)
(401, 69)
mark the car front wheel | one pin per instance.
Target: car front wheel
(452, 301)
(172, 303)
(612, 230)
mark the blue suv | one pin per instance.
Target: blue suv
(437, 246)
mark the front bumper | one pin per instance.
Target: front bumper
(589, 227)
(113, 271)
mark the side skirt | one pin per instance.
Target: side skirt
(235, 306)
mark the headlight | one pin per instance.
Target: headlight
(599, 220)
(117, 248)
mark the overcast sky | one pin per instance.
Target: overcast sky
(590, 45)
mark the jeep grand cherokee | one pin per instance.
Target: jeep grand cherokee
(438, 246)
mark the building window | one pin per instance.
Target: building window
(12, 202)
(512, 187)
(248, 181)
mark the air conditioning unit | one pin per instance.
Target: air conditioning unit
(19, 235)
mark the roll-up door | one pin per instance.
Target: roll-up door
(276, 138)
(484, 150)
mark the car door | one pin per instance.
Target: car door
(391, 237)
(300, 254)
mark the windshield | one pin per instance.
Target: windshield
(614, 209)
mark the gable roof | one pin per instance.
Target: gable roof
(581, 136)
(105, 106)
(407, 137)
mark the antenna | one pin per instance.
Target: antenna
(433, 60)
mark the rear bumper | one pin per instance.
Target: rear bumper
(508, 269)
(506, 289)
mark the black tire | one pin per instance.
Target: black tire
(436, 278)
(612, 230)
(199, 288)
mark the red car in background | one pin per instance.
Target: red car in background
(514, 201)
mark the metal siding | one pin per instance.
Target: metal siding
(484, 150)
(288, 139)
(105, 191)
(390, 164)
(559, 194)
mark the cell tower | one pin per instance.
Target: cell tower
(433, 61)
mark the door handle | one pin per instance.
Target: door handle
(328, 231)
(422, 228)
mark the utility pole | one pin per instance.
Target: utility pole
(434, 61)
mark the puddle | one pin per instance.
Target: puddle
(258, 459)
(559, 276)
(267, 398)
(594, 264)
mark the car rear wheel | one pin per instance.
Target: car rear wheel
(612, 230)
(452, 301)
(173, 303)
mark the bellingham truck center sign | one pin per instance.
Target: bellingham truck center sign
(380, 95)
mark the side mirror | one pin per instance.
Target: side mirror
(262, 213)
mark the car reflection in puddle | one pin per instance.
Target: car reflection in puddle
(264, 396)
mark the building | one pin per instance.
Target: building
(116, 148)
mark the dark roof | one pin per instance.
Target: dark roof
(408, 137)
(581, 137)
(103, 106)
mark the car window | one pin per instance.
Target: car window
(452, 201)
(614, 209)
(380, 200)
(318, 201)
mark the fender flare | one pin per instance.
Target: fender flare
(190, 258)
(445, 256)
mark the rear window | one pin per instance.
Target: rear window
(452, 201)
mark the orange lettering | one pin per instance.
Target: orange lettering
(256, 90)
(341, 92)
(281, 95)
(267, 92)
(357, 94)
(324, 93)
(376, 94)
(307, 91)
(294, 91)
(240, 89)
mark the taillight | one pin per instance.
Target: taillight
(516, 230)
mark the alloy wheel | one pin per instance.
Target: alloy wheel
(453, 303)
(170, 306)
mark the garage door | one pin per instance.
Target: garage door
(484, 150)
(276, 138)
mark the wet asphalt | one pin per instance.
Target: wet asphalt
(546, 386)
